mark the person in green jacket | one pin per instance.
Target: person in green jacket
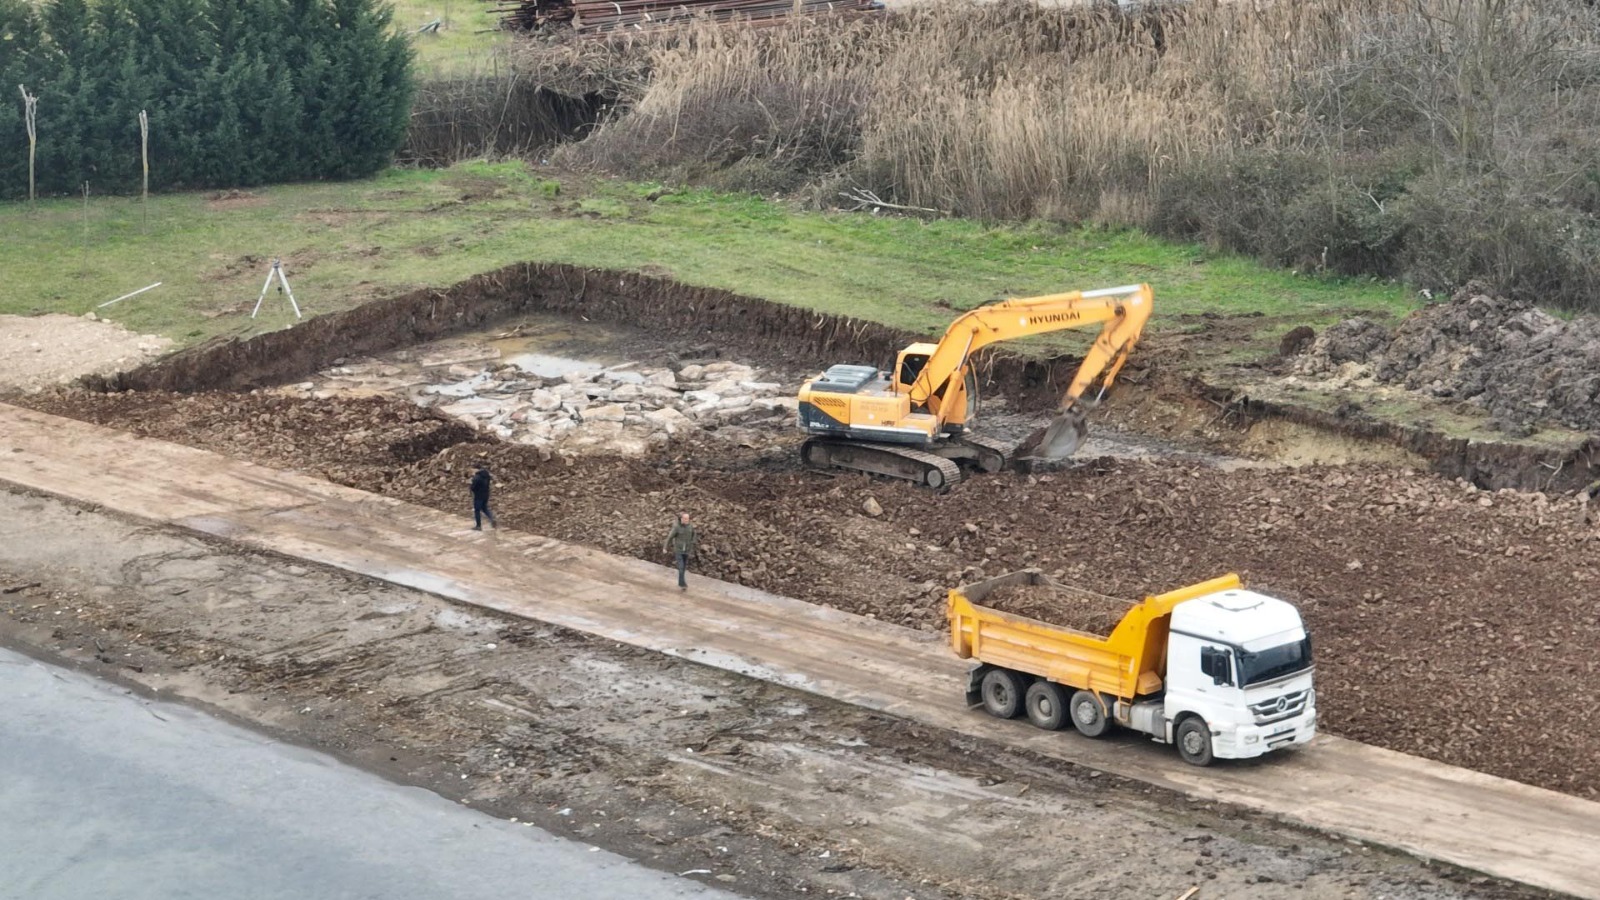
(680, 543)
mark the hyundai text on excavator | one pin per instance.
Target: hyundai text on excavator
(915, 422)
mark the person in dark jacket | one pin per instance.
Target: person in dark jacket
(480, 498)
(680, 543)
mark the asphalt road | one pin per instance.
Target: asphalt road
(107, 795)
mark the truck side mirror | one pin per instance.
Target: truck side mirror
(1218, 664)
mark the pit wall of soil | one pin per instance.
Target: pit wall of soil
(721, 321)
(1487, 465)
(725, 322)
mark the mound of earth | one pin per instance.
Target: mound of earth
(1059, 605)
(1517, 362)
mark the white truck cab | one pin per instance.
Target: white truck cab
(1238, 679)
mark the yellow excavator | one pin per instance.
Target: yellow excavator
(915, 422)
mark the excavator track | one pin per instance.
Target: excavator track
(891, 460)
(994, 454)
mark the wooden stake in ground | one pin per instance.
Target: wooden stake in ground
(30, 105)
(144, 154)
(85, 261)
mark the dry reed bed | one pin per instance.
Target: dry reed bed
(1432, 139)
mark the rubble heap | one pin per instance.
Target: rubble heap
(1516, 361)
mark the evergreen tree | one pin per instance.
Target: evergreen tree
(371, 111)
(238, 91)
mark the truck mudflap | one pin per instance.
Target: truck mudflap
(975, 683)
(1250, 741)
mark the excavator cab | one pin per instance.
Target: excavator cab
(954, 402)
(911, 363)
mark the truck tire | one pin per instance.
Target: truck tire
(1088, 715)
(1193, 738)
(1047, 705)
(1002, 693)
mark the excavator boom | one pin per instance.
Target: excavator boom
(1124, 309)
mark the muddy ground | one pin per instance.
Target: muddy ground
(1449, 621)
(753, 330)
(737, 782)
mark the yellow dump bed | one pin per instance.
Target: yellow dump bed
(1126, 663)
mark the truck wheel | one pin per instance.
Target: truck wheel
(1194, 741)
(1002, 694)
(1047, 705)
(1088, 716)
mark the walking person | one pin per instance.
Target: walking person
(1586, 497)
(480, 498)
(680, 543)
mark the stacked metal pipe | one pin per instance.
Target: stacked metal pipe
(616, 16)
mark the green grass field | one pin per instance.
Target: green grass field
(346, 243)
(465, 41)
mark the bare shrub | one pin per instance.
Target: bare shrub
(720, 98)
(492, 112)
(1437, 140)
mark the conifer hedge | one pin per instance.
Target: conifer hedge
(238, 92)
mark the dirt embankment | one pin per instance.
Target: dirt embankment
(1449, 621)
(1517, 362)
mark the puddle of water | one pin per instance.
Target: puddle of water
(546, 365)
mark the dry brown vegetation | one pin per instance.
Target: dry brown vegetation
(1436, 140)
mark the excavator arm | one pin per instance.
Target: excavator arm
(1124, 312)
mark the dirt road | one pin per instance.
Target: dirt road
(762, 789)
(1501, 827)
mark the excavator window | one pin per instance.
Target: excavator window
(910, 367)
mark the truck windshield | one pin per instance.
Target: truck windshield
(1274, 662)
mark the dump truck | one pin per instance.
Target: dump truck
(1219, 671)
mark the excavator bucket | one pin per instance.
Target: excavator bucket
(1058, 440)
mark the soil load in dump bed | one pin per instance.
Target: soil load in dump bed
(1060, 605)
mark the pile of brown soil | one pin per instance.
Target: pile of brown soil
(1058, 606)
(1518, 362)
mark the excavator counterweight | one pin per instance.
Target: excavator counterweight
(915, 421)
